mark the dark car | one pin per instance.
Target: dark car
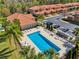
(56, 26)
(65, 30)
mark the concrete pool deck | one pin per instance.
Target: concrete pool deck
(56, 40)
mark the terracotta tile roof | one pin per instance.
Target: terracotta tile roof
(42, 9)
(53, 6)
(41, 12)
(45, 7)
(75, 4)
(24, 19)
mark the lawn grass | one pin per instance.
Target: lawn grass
(14, 55)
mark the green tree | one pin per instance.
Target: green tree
(12, 8)
(70, 54)
(50, 54)
(40, 17)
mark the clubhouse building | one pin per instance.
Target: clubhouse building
(26, 20)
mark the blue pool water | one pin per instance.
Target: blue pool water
(42, 43)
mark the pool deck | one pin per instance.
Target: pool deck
(55, 39)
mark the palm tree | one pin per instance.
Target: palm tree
(14, 33)
(69, 55)
(12, 29)
(28, 53)
(51, 27)
(40, 56)
(5, 53)
(76, 32)
(40, 17)
(50, 54)
(76, 48)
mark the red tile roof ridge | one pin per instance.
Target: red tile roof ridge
(24, 19)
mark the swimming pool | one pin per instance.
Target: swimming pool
(42, 43)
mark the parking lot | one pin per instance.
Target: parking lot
(56, 20)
